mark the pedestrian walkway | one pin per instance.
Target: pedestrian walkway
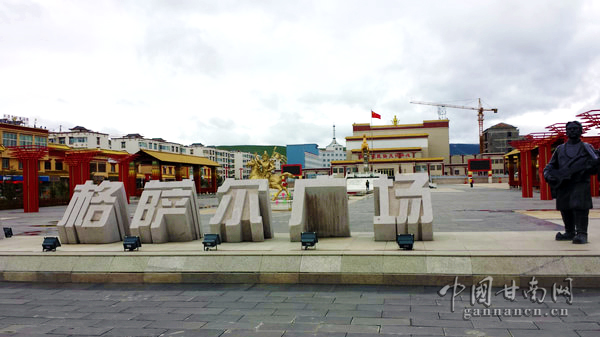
(248, 310)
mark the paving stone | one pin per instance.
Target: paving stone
(25, 330)
(310, 300)
(134, 332)
(348, 328)
(441, 323)
(148, 310)
(380, 321)
(323, 320)
(184, 325)
(281, 305)
(230, 325)
(477, 332)
(112, 316)
(72, 322)
(588, 333)
(213, 318)
(251, 333)
(268, 319)
(492, 324)
(411, 330)
(313, 334)
(249, 312)
(540, 333)
(330, 306)
(232, 305)
(263, 299)
(193, 333)
(157, 317)
(353, 313)
(24, 320)
(121, 324)
(357, 301)
(567, 326)
(199, 311)
(4, 301)
(287, 312)
(80, 331)
(190, 304)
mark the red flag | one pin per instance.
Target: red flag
(375, 115)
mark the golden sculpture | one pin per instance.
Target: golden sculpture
(395, 121)
(364, 147)
(262, 168)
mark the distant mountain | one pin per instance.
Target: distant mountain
(255, 148)
(458, 149)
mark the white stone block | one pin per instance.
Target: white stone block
(96, 214)
(244, 212)
(320, 205)
(403, 206)
(167, 212)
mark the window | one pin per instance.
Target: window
(41, 141)
(58, 165)
(5, 163)
(143, 145)
(93, 167)
(113, 167)
(191, 151)
(101, 167)
(97, 140)
(47, 165)
(155, 146)
(9, 139)
(25, 140)
(61, 140)
(122, 145)
(20, 165)
(77, 140)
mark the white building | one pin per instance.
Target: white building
(240, 161)
(81, 138)
(134, 142)
(333, 151)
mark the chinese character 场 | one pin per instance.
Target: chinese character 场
(442, 292)
(534, 291)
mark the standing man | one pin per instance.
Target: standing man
(568, 174)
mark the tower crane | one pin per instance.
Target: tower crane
(480, 109)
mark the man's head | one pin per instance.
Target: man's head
(574, 130)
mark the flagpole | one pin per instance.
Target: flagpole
(371, 168)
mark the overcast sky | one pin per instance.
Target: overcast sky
(224, 72)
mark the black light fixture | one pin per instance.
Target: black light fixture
(132, 243)
(211, 241)
(50, 243)
(309, 239)
(405, 241)
(8, 232)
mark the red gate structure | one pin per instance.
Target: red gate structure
(525, 166)
(79, 167)
(592, 119)
(30, 155)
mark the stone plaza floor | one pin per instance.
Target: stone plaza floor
(248, 310)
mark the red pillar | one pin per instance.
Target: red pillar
(594, 186)
(29, 155)
(526, 174)
(30, 186)
(178, 174)
(213, 180)
(543, 159)
(197, 178)
(156, 171)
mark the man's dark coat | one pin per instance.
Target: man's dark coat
(574, 173)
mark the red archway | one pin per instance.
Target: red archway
(29, 155)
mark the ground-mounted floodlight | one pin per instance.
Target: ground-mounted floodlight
(132, 243)
(8, 232)
(309, 239)
(50, 243)
(405, 241)
(211, 241)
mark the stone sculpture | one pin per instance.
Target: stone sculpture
(244, 212)
(167, 211)
(320, 205)
(403, 206)
(95, 214)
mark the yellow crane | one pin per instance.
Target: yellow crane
(480, 109)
